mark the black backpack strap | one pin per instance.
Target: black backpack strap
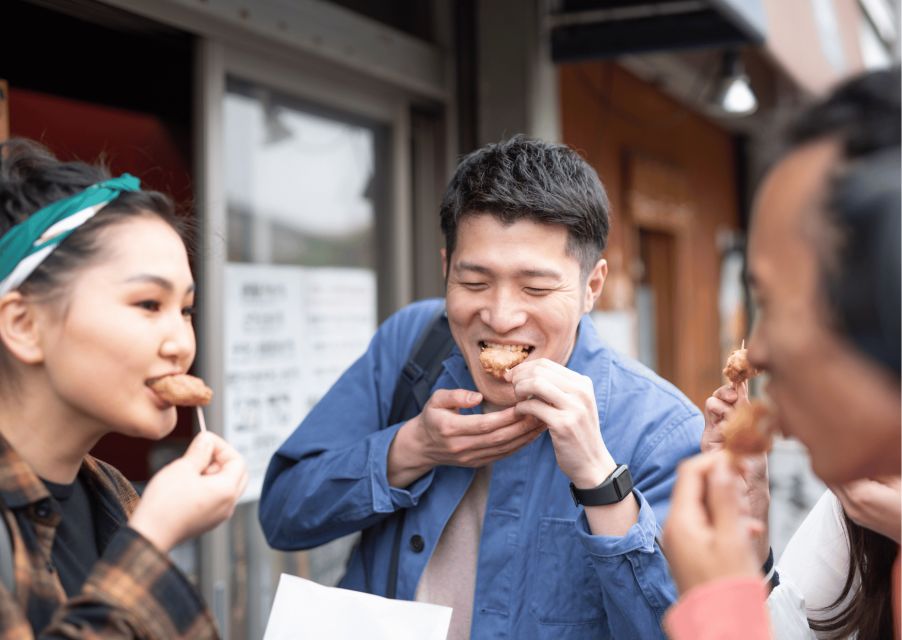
(411, 393)
(422, 369)
(391, 587)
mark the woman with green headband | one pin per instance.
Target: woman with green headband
(95, 304)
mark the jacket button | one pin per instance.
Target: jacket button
(42, 510)
(417, 543)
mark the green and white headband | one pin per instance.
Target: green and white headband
(24, 247)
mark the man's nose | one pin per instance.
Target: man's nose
(503, 313)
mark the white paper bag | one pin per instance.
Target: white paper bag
(305, 610)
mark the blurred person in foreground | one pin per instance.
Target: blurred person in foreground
(824, 268)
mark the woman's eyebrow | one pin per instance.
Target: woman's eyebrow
(159, 281)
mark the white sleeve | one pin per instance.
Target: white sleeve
(788, 617)
(812, 570)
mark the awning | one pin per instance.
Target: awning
(584, 29)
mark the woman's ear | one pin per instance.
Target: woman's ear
(20, 328)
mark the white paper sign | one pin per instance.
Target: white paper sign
(290, 332)
(305, 610)
(340, 315)
(264, 362)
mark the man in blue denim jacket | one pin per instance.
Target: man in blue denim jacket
(514, 483)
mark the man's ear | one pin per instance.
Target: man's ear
(20, 328)
(595, 284)
(444, 255)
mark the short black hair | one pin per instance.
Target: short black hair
(523, 178)
(860, 267)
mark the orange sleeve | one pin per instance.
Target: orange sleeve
(727, 609)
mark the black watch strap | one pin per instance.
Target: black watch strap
(615, 488)
(771, 576)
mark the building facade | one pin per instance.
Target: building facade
(311, 142)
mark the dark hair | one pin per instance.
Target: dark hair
(859, 256)
(529, 179)
(32, 178)
(869, 612)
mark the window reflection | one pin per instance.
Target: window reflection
(303, 186)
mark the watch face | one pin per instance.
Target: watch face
(623, 481)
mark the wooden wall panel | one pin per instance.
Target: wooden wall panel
(624, 125)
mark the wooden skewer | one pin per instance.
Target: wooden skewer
(200, 419)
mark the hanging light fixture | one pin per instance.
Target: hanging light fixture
(733, 95)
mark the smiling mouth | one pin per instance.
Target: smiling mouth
(516, 348)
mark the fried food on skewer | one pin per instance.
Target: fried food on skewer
(738, 368)
(748, 430)
(183, 390)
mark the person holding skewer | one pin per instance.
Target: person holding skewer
(96, 298)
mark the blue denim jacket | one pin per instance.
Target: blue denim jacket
(540, 573)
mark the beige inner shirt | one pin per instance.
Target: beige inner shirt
(450, 575)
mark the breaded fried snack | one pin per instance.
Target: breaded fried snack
(496, 359)
(748, 431)
(183, 390)
(738, 368)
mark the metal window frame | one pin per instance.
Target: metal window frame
(328, 32)
(314, 82)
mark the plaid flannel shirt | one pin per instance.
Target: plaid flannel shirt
(133, 591)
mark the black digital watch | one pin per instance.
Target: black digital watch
(615, 488)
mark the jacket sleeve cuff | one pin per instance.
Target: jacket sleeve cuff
(387, 498)
(133, 575)
(640, 537)
(715, 610)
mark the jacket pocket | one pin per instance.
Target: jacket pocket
(564, 588)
